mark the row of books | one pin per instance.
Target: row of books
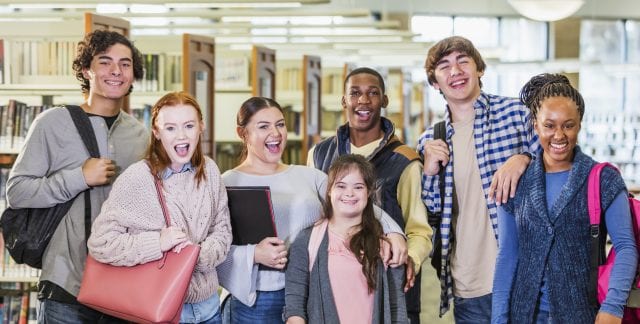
(332, 84)
(27, 61)
(15, 119)
(19, 305)
(233, 73)
(289, 79)
(50, 62)
(142, 114)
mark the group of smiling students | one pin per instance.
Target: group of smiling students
(514, 204)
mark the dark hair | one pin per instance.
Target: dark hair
(249, 108)
(448, 46)
(365, 244)
(98, 42)
(543, 86)
(156, 154)
(365, 70)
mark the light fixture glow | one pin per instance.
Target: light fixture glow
(109, 8)
(235, 5)
(546, 10)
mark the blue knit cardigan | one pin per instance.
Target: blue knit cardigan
(556, 241)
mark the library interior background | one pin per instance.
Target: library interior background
(298, 52)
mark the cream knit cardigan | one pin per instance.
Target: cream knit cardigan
(127, 231)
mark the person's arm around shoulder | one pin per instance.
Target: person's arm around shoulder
(216, 245)
(505, 180)
(619, 225)
(297, 279)
(506, 263)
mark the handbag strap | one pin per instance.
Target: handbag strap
(163, 204)
(165, 212)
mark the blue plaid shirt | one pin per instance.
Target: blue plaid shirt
(501, 129)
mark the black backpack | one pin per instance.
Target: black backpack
(27, 231)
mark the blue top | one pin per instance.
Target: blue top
(619, 227)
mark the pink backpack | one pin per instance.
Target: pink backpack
(632, 309)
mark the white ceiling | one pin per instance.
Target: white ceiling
(591, 8)
(404, 52)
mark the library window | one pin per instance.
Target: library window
(523, 40)
(483, 32)
(431, 28)
(602, 41)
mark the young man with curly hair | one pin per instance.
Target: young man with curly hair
(54, 167)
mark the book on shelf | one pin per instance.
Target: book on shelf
(36, 61)
(173, 72)
(15, 119)
(233, 73)
(143, 115)
(251, 214)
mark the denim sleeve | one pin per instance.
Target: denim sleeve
(619, 226)
(506, 262)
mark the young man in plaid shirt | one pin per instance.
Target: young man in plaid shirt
(492, 141)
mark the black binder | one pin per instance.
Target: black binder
(251, 214)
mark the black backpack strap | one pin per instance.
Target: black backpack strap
(85, 129)
(434, 219)
(440, 132)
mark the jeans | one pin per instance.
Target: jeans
(267, 309)
(216, 319)
(412, 298)
(475, 310)
(200, 313)
(542, 317)
(53, 312)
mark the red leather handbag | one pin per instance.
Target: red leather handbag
(153, 292)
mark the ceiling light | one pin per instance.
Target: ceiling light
(107, 8)
(546, 10)
(148, 8)
(235, 5)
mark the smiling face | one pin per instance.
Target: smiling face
(458, 78)
(110, 74)
(363, 101)
(265, 135)
(178, 128)
(349, 194)
(557, 124)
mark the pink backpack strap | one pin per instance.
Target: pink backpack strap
(593, 196)
(317, 234)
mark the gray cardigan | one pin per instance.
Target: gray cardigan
(309, 295)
